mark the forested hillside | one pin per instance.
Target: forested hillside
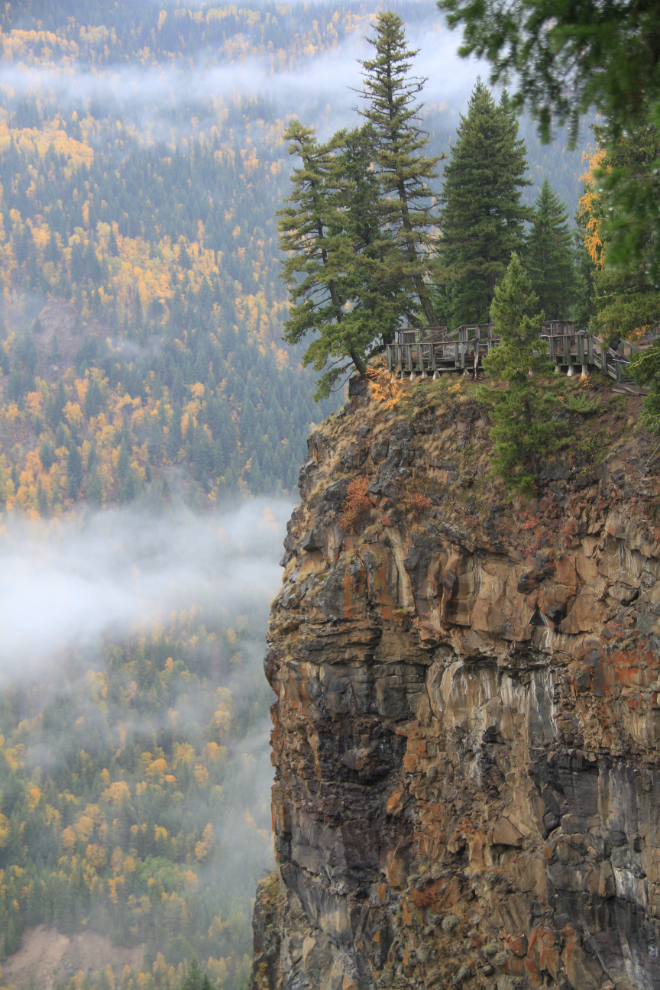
(142, 367)
(160, 343)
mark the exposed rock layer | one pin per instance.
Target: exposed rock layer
(467, 718)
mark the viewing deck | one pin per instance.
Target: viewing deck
(432, 350)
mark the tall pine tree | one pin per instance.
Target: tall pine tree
(550, 257)
(404, 170)
(319, 261)
(482, 219)
(338, 268)
(521, 411)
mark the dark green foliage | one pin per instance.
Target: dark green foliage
(357, 239)
(482, 219)
(549, 256)
(645, 369)
(195, 979)
(317, 269)
(93, 399)
(522, 408)
(174, 435)
(42, 505)
(47, 454)
(403, 168)
(630, 178)
(94, 490)
(74, 470)
(568, 58)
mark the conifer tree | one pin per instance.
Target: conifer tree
(404, 171)
(94, 490)
(626, 299)
(521, 411)
(379, 294)
(550, 256)
(74, 469)
(482, 217)
(319, 269)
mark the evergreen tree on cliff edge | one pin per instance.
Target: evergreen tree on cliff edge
(550, 257)
(482, 218)
(356, 227)
(522, 407)
(403, 170)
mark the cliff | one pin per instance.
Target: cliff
(467, 715)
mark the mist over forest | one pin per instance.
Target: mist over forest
(152, 427)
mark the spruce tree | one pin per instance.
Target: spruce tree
(316, 258)
(74, 469)
(404, 171)
(482, 218)
(550, 257)
(95, 490)
(379, 295)
(330, 284)
(521, 410)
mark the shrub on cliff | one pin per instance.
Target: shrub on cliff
(357, 504)
(521, 410)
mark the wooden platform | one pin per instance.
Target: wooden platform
(433, 350)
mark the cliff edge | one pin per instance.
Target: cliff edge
(467, 714)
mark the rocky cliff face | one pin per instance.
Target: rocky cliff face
(467, 714)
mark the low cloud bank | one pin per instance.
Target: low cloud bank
(326, 78)
(66, 584)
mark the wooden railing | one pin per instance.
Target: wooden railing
(434, 350)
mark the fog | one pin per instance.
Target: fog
(328, 79)
(67, 583)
